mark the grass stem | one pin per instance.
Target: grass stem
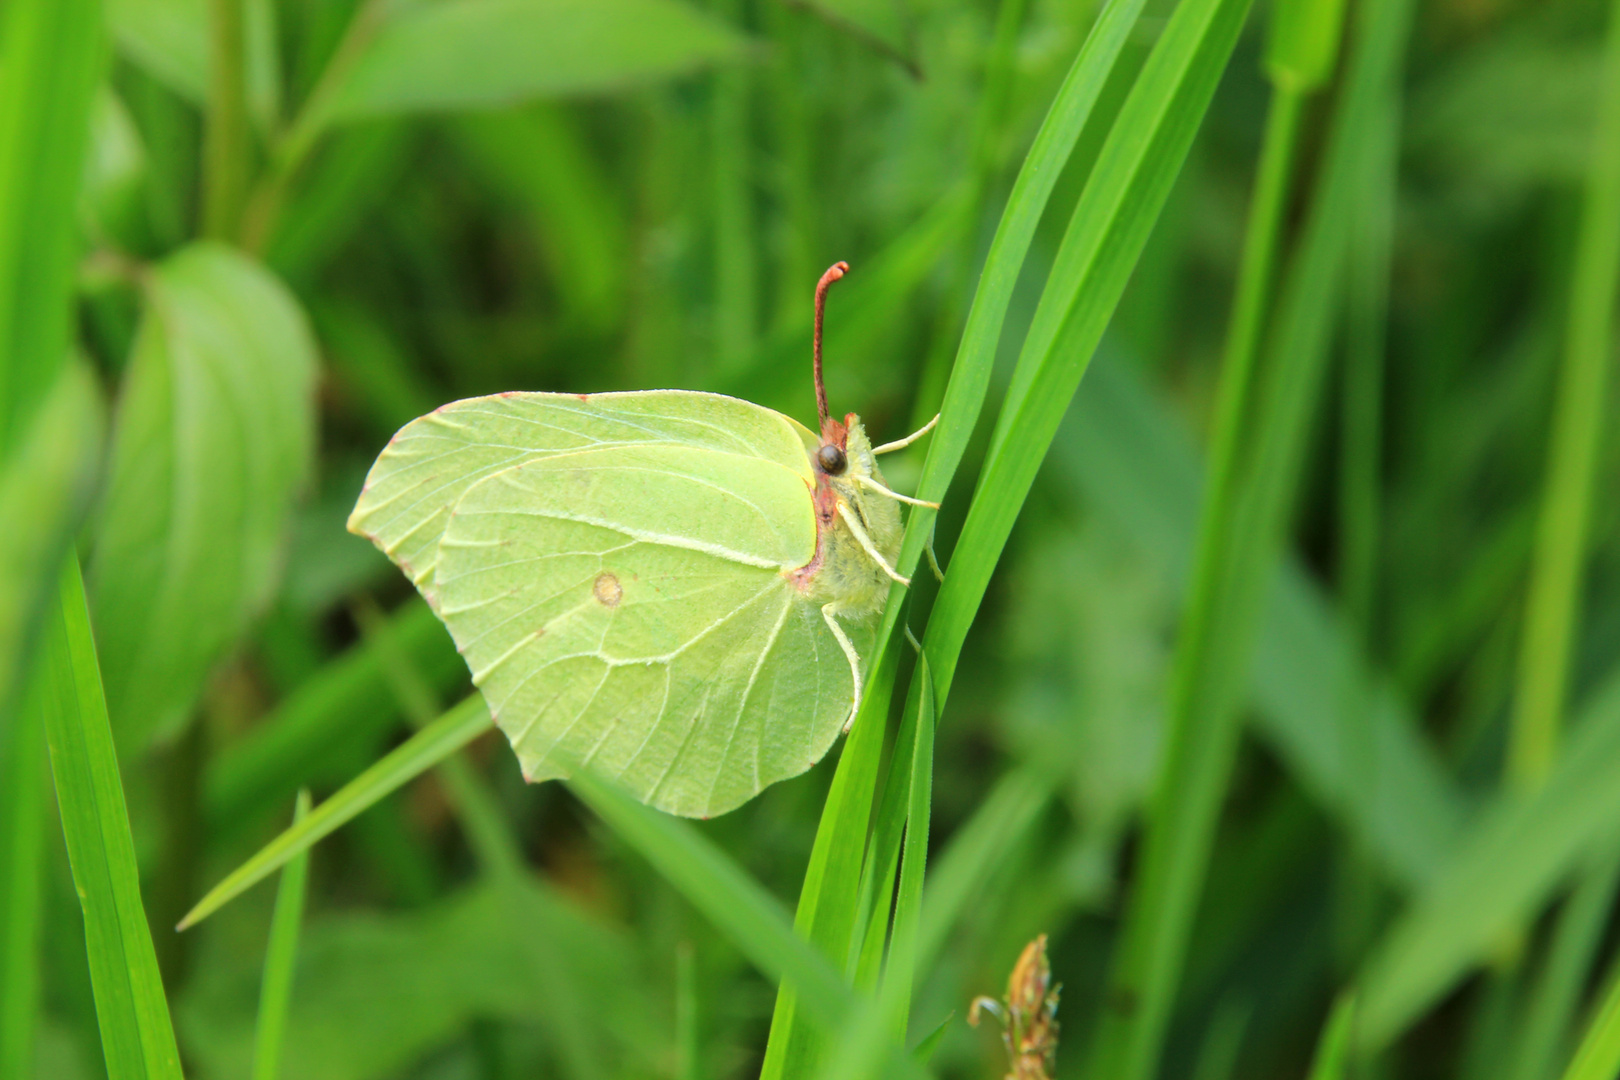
(1552, 609)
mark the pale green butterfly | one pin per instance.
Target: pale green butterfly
(652, 584)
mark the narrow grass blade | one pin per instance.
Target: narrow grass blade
(346, 701)
(50, 62)
(1242, 539)
(1551, 1004)
(828, 903)
(22, 881)
(687, 1062)
(1333, 1051)
(734, 902)
(1502, 871)
(136, 1035)
(1598, 1057)
(281, 959)
(861, 1051)
(226, 149)
(1133, 176)
(1552, 608)
(749, 916)
(455, 729)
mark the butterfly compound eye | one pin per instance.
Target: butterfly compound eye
(831, 459)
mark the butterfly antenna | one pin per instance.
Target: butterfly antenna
(834, 272)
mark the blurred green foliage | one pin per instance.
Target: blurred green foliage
(298, 224)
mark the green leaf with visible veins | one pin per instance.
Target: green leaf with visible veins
(214, 439)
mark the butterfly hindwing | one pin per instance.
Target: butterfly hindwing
(626, 607)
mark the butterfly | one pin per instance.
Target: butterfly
(672, 588)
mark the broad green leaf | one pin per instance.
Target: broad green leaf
(213, 441)
(44, 489)
(455, 729)
(136, 1036)
(483, 53)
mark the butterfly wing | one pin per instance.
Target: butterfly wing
(435, 459)
(626, 607)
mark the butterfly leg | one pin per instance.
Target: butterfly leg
(848, 646)
(865, 541)
(915, 644)
(933, 561)
(868, 482)
(901, 444)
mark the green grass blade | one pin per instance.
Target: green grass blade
(344, 703)
(1553, 605)
(825, 915)
(1242, 539)
(1134, 173)
(455, 729)
(861, 1051)
(281, 959)
(735, 903)
(829, 902)
(1503, 870)
(50, 62)
(1202, 726)
(1333, 1051)
(226, 149)
(22, 882)
(1598, 1057)
(1551, 1004)
(136, 1035)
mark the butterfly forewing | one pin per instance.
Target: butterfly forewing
(435, 459)
(626, 608)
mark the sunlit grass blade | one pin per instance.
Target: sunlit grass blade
(136, 1035)
(50, 62)
(1553, 605)
(1598, 1057)
(22, 881)
(861, 1050)
(1551, 1005)
(281, 959)
(829, 902)
(1333, 1050)
(455, 729)
(1133, 176)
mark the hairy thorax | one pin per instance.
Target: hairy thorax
(842, 573)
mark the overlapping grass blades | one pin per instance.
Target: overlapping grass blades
(846, 814)
(136, 1034)
(1242, 538)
